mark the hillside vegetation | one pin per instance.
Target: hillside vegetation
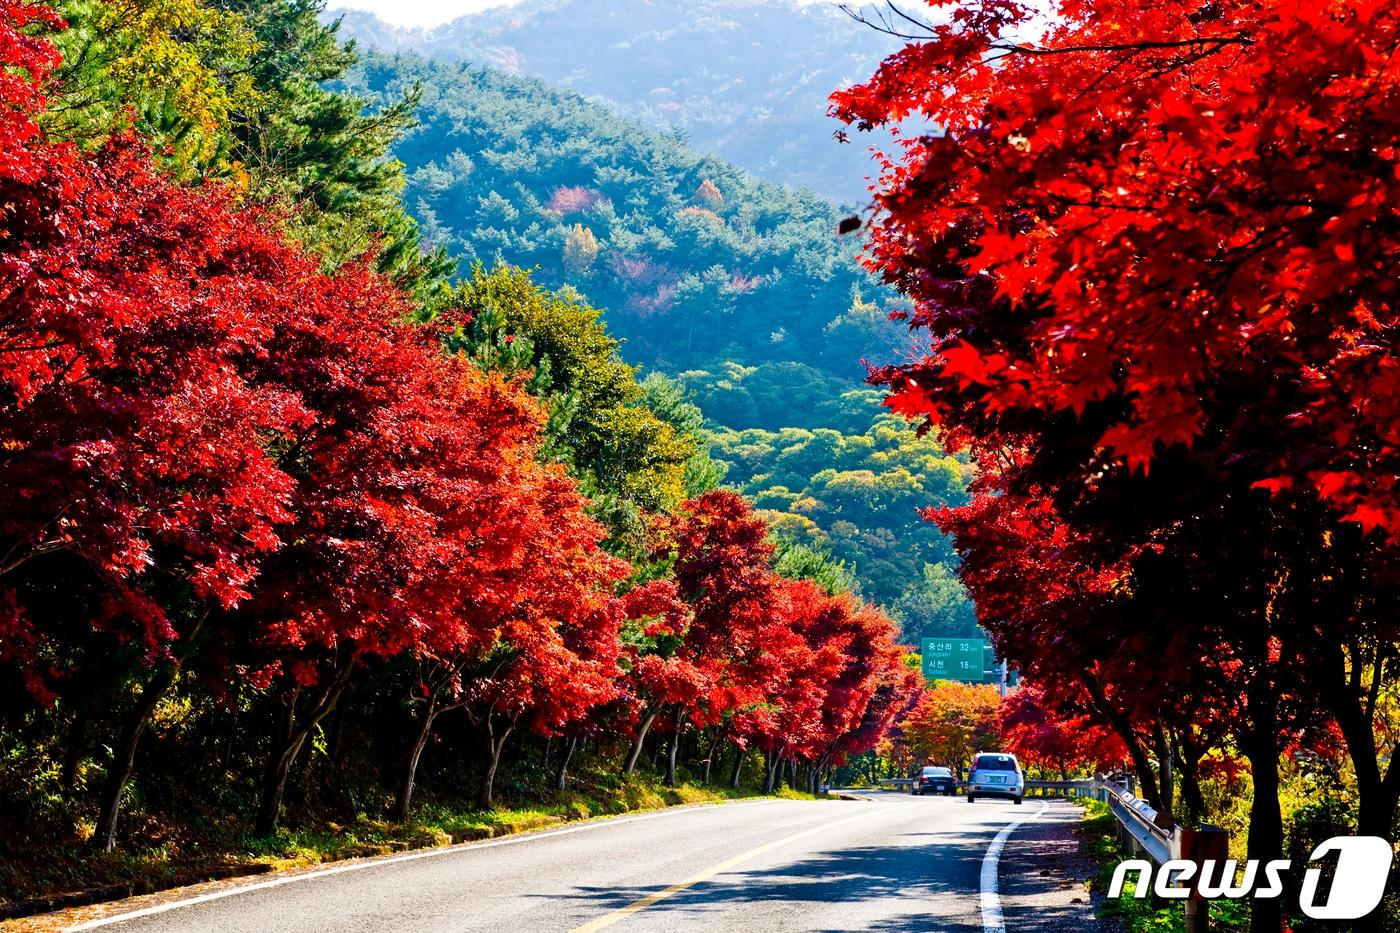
(739, 289)
(857, 496)
(694, 260)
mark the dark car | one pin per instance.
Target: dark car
(933, 779)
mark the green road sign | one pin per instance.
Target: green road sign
(953, 658)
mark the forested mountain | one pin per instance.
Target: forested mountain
(747, 81)
(740, 289)
(857, 494)
(694, 260)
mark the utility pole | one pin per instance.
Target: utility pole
(1001, 688)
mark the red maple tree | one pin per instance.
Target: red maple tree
(1048, 738)
(1153, 246)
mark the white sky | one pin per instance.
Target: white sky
(435, 12)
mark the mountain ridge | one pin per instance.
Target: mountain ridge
(711, 73)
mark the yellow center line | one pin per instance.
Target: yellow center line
(621, 913)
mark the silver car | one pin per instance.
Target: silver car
(995, 774)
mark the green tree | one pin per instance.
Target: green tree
(936, 607)
(802, 562)
(179, 68)
(629, 459)
(247, 91)
(310, 145)
(857, 495)
(672, 404)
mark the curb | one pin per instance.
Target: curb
(116, 892)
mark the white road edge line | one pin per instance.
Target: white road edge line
(992, 919)
(390, 860)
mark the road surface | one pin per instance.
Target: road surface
(889, 862)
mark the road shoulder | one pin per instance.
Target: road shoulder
(1045, 877)
(69, 917)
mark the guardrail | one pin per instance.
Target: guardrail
(1059, 788)
(1138, 830)
(1137, 821)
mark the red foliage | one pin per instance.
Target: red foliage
(806, 674)
(1048, 738)
(186, 396)
(28, 61)
(552, 656)
(134, 425)
(1150, 207)
(573, 200)
(1154, 248)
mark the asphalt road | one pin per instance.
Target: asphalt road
(891, 862)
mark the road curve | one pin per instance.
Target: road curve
(890, 862)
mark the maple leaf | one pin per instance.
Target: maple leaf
(1371, 517)
(969, 364)
(1273, 485)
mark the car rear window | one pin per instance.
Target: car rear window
(937, 772)
(995, 763)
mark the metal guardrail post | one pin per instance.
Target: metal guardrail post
(1209, 843)
(1139, 833)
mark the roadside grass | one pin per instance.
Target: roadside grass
(199, 849)
(1099, 832)
(442, 821)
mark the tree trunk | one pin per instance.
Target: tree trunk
(1189, 764)
(287, 746)
(495, 743)
(636, 752)
(675, 746)
(1142, 767)
(227, 757)
(716, 748)
(104, 836)
(772, 774)
(404, 802)
(561, 781)
(337, 734)
(737, 773)
(1260, 745)
(1352, 704)
(1166, 778)
(279, 764)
